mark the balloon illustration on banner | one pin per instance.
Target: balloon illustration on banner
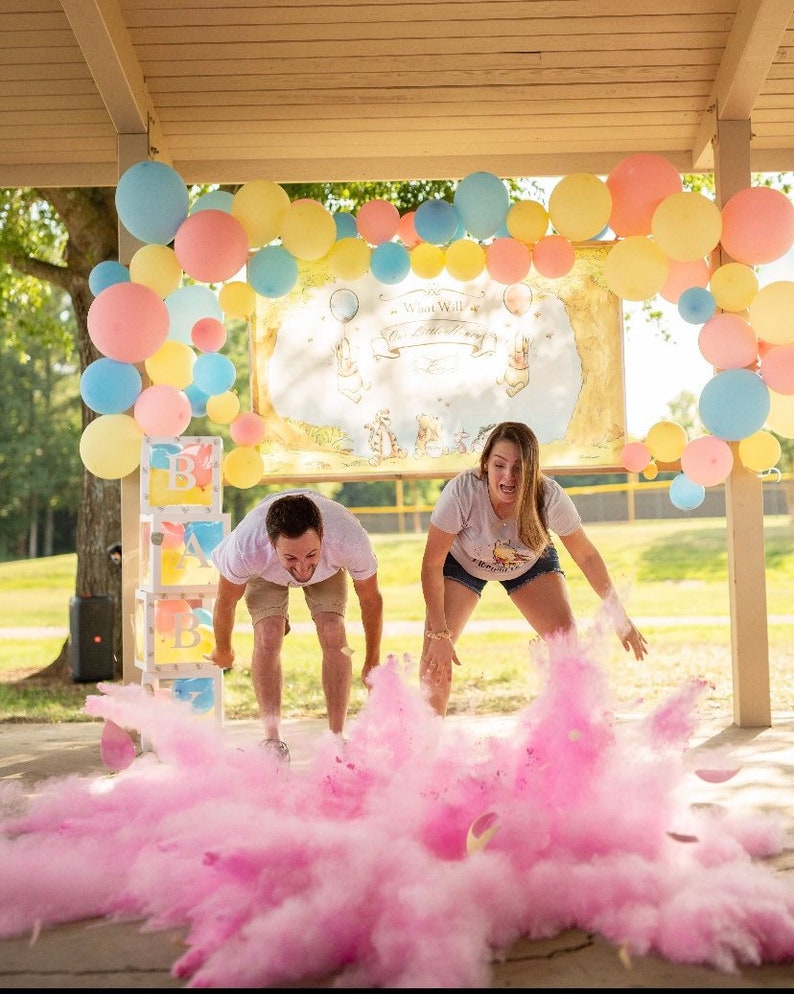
(202, 265)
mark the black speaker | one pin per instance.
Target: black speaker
(91, 645)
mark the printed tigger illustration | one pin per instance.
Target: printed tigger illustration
(382, 441)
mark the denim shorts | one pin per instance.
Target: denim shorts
(548, 562)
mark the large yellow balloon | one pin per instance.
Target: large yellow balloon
(635, 268)
(237, 299)
(172, 364)
(223, 408)
(259, 206)
(308, 230)
(579, 206)
(465, 259)
(781, 414)
(527, 221)
(666, 440)
(110, 446)
(427, 260)
(771, 313)
(349, 258)
(733, 286)
(157, 267)
(686, 226)
(243, 467)
(759, 452)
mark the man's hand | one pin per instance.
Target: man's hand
(224, 658)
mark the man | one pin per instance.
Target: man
(297, 539)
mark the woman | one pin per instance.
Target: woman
(494, 523)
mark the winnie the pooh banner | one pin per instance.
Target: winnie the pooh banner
(361, 379)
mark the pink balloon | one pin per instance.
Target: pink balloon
(211, 246)
(728, 342)
(683, 275)
(507, 260)
(200, 464)
(553, 256)
(248, 429)
(208, 334)
(116, 746)
(162, 410)
(707, 460)
(777, 369)
(128, 322)
(173, 534)
(406, 231)
(757, 225)
(635, 456)
(377, 221)
(638, 184)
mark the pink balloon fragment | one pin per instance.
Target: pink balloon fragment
(728, 342)
(377, 221)
(116, 746)
(638, 184)
(128, 322)
(635, 456)
(716, 776)
(707, 460)
(553, 256)
(211, 246)
(248, 428)
(777, 369)
(757, 225)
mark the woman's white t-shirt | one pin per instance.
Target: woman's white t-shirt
(248, 552)
(484, 545)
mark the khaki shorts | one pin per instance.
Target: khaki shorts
(271, 600)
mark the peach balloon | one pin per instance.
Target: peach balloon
(211, 246)
(683, 276)
(248, 429)
(635, 456)
(638, 184)
(757, 225)
(208, 334)
(553, 256)
(128, 322)
(507, 260)
(707, 460)
(777, 369)
(377, 221)
(163, 410)
(728, 342)
(406, 231)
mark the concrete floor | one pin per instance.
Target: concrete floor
(95, 954)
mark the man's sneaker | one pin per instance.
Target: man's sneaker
(278, 747)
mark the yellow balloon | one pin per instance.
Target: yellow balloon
(223, 408)
(259, 206)
(733, 286)
(651, 471)
(465, 259)
(527, 221)
(781, 414)
(427, 260)
(771, 313)
(172, 364)
(308, 230)
(349, 258)
(666, 440)
(162, 492)
(686, 226)
(110, 446)
(237, 299)
(157, 267)
(243, 467)
(635, 268)
(759, 452)
(579, 206)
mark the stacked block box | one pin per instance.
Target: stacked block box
(181, 522)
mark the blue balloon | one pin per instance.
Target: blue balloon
(390, 263)
(272, 271)
(734, 404)
(215, 200)
(436, 221)
(110, 387)
(187, 305)
(105, 274)
(696, 305)
(213, 373)
(202, 615)
(198, 400)
(346, 225)
(482, 202)
(152, 201)
(685, 494)
(200, 691)
(208, 534)
(159, 454)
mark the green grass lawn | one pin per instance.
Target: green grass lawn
(667, 569)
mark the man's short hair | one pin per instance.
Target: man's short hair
(292, 516)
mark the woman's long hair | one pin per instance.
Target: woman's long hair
(532, 528)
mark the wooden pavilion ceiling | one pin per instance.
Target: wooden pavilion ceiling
(298, 90)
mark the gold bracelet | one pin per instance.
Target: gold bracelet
(438, 636)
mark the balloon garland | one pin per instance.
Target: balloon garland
(663, 239)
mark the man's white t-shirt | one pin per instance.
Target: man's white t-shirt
(247, 551)
(484, 545)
